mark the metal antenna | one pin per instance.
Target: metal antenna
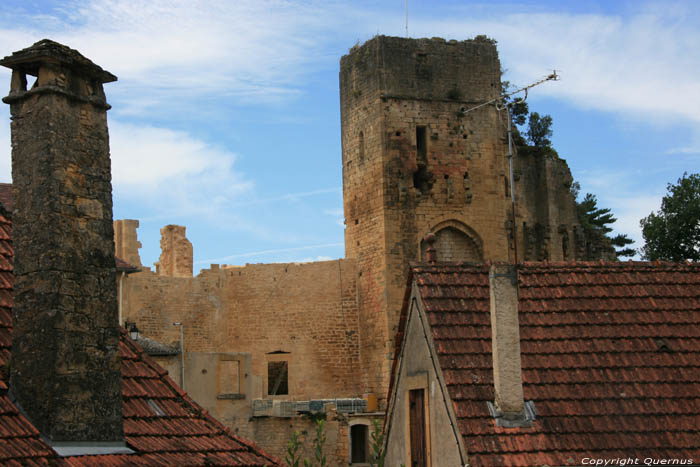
(551, 77)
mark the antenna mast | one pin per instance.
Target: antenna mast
(551, 77)
(406, 19)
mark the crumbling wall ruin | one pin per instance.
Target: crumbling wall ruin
(176, 252)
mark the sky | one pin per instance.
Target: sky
(226, 118)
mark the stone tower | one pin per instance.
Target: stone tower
(425, 149)
(65, 371)
(417, 160)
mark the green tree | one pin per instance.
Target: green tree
(596, 223)
(539, 130)
(673, 232)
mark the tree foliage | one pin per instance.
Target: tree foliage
(594, 220)
(673, 232)
(596, 223)
(539, 130)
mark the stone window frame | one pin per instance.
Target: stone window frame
(241, 394)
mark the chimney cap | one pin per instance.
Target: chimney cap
(29, 60)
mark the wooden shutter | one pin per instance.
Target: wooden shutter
(416, 404)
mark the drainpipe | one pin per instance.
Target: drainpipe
(182, 355)
(121, 278)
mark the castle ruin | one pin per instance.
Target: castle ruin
(262, 342)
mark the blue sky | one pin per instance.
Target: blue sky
(226, 119)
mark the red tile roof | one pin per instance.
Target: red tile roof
(161, 422)
(610, 357)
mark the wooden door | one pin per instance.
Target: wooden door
(416, 405)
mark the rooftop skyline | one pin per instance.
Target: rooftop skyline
(225, 119)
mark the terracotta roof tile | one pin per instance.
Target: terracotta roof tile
(610, 356)
(183, 435)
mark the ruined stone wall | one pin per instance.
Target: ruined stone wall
(547, 224)
(176, 252)
(305, 312)
(415, 161)
(126, 242)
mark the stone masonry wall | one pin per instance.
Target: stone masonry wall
(305, 314)
(308, 310)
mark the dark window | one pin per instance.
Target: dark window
(421, 143)
(277, 379)
(416, 408)
(358, 442)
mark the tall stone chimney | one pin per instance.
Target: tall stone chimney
(505, 345)
(65, 371)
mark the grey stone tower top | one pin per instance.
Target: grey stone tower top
(66, 372)
(431, 69)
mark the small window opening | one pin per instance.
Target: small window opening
(277, 379)
(421, 146)
(507, 188)
(358, 443)
(447, 176)
(464, 136)
(398, 133)
(422, 178)
(19, 81)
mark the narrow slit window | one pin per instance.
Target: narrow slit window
(362, 145)
(421, 143)
(277, 379)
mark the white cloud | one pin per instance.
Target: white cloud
(254, 50)
(641, 65)
(629, 210)
(174, 171)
